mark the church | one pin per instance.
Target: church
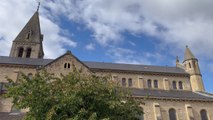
(171, 92)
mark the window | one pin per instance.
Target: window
(28, 52)
(29, 34)
(174, 85)
(15, 109)
(149, 83)
(156, 83)
(172, 114)
(3, 88)
(203, 115)
(180, 85)
(30, 76)
(65, 65)
(190, 65)
(68, 65)
(20, 52)
(124, 82)
(130, 82)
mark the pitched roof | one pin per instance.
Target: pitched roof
(132, 67)
(95, 65)
(172, 94)
(24, 61)
(32, 26)
(188, 54)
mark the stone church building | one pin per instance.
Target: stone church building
(172, 93)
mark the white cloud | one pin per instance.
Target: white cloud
(174, 22)
(15, 14)
(123, 55)
(90, 46)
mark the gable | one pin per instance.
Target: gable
(65, 64)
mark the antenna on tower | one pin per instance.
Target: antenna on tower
(38, 6)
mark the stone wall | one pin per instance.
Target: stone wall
(180, 107)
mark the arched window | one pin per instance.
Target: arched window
(30, 76)
(190, 65)
(68, 65)
(156, 83)
(149, 83)
(65, 65)
(124, 82)
(29, 34)
(28, 52)
(20, 51)
(15, 109)
(180, 84)
(130, 82)
(172, 114)
(174, 85)
(203, 115)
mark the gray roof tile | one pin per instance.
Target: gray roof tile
(96, 65)
(24, 61)
(174, 94)
(132, 67)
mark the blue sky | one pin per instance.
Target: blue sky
(122, 31)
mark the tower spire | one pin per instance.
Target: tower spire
(29, 39)
(188, 54)
(38, 6)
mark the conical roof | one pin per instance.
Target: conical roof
(188, 54)
(31, 31)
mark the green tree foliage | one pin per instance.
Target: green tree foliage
(72, 97)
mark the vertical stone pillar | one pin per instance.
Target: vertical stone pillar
(140, 82)
(189, 112)
(166, 84)
(157, 111)
(24, 53)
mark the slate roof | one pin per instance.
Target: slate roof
(188, 54)
(172, 94)
(11, 116)
(24, 61)
(132, 67)
(95, 65)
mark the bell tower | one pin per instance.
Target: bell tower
(192, 67)
(28, 43)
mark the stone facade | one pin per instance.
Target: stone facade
(163, 89)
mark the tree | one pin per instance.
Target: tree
(75, 96)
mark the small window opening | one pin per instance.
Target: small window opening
(30, 76)
(203, 114)
(28, 52)
(20, 52)
(68, 65)
(29, 34)
(149, 83)
(180, 85)
(130, 82)
(172, 114)
(65, 65)
(124, 82)
(174, 84)
(190, 65)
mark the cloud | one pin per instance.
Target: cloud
(15, 14)
(124, 55)
(90, 46)
(173, 22)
